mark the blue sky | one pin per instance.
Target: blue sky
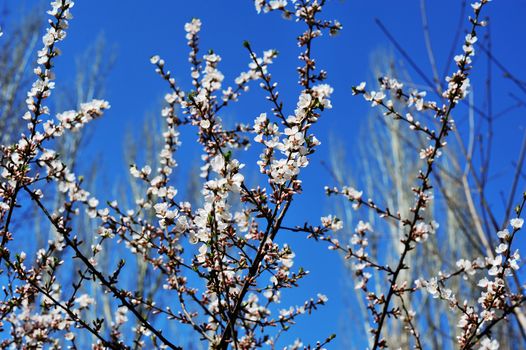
(139, 29)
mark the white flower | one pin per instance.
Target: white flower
(362, 227)
(476, 6)
(359, 88)
(120, 315)
(504, 234)
(155, 59)
(332, 223)
(466, 265)
(277, 4)
(501, 248)
(322, 298)
(488, 344)
(421, 232)
(297, 345)
(218, 163)
(428, 152)
(483, 283)
(84, 301)
(259, 4)
(471, 39)
(322, 92)
(205, 124)
(352, 193)
(193, 27)
(304, 101)
(517, 223)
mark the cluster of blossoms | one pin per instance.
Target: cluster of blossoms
(496, 301)
(359, 239)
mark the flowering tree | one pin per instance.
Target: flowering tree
(414, 225)
(466, 231)
(219, 262)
